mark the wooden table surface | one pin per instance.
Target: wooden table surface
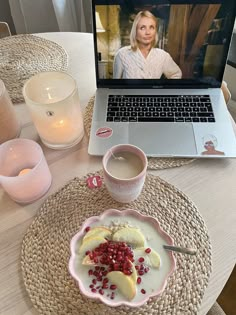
(210, 183)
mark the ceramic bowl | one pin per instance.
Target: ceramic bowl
(154, 282)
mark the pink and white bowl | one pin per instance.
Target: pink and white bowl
(155, 281)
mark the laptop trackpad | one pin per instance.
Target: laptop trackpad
(168, 139)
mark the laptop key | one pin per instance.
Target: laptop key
(113, 109)
(109, 118)
(111, 114)
(156, 119)
(211, 119)
(205, 115)
(133, 119)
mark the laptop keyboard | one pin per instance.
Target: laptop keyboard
(164, 108)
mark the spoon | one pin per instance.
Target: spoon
(116, 157)
(182, 250)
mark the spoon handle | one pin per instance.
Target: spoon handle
(183, 250)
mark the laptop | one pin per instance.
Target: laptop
(159, 69)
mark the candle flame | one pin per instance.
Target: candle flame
(24, 171)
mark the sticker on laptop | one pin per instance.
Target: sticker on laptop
(104, 132)
(211, 140)
(209, 145)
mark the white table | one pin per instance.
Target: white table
(211, 184)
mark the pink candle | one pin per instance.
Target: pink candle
(24, 172)
(9, 125)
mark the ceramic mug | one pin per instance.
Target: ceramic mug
(124, 170)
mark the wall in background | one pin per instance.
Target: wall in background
(5, 15)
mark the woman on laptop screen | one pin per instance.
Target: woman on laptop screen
(141, 60)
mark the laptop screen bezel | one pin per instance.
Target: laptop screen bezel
(162, 83)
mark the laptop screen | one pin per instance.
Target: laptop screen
(161, 44)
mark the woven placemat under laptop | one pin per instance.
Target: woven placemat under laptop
(22, 56)
(153, 163)
(46, 249)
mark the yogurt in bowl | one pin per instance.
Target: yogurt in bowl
(118, 258)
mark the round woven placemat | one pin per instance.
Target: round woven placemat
(22, 56)
(45, 249)
(153, 163)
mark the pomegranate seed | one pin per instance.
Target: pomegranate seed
(90, 272)
(112, 295)
(105, 286)
(101, 291)
(141, 272)
(141, 259)
(148, 250)
(88, 252)
(141, 267)
(105, 280)
(93, 290)
(94, 281)
(91, 286)
(137, 267)
(116, 267)
(127, 272)
(113, 287)
(143, 291)
(139, 280)
(97, 268)
(87, 229)
(146, 269)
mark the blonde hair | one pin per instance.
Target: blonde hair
(133, 33)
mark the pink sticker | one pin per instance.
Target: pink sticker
(104, 132)
(94, 182)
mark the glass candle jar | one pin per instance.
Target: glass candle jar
(53, 101)
(9, 125)
(24, 172)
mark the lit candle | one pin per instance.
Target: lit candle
(24, 171)
(53, 101)
(15, 155)
(59, 131)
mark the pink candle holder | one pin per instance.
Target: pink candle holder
(24, 172)
(9, 125)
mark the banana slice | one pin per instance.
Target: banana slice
(152, 259)
(130, 236)
(90, 243)
(98, 231)
(124, 283)
(87, 261)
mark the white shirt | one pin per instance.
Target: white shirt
(129, 64)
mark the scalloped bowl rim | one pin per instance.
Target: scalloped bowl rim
(125, 212)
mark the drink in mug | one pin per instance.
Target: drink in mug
(124, 168)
